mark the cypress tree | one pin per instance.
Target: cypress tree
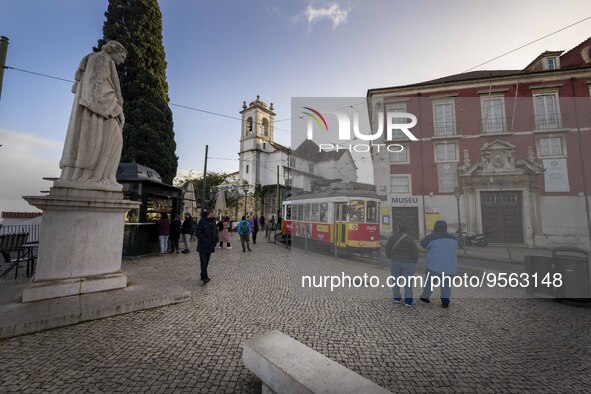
(148, 136)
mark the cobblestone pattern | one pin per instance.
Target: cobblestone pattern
(477, 345)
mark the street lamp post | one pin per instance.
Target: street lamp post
(458, 194)
(245, 188)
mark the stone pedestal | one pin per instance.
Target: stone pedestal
(80, 244)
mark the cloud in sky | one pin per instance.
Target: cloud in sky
(333, 12)
(25, 159)
(273, 11)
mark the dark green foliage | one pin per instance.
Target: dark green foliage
(148, 136)
(214, 179)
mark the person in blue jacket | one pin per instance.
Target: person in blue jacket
(244, 231)
(441, 258)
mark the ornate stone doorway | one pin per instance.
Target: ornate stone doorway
(501, 193)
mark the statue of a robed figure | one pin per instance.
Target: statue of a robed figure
(82, 230)
(92, 149)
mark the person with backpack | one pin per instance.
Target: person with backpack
(223, 226)
(403, 254)
(254, 228)
(244, 231)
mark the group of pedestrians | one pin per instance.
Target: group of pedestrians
(172, 231)
(210, 235)
(440, 259)
(251, 226)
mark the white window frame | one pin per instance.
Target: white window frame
(556, 60)
(503, 115)
(397, 154)
(557, 105)
(562, 154)
(396, 134)
(456, 148)
(453, 115)
(408, 177)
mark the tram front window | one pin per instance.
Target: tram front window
(372, 212)
(357, 211)
(288, 211)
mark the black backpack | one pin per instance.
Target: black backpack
(221, 225)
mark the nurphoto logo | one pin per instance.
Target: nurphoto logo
(395, 121)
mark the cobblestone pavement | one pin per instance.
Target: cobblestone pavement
(477, 345)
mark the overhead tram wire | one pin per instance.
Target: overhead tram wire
(212, 112)
(172, 104)
(529, 43)
(38, 74)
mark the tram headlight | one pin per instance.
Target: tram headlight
(371, 238)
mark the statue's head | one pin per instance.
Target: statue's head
(116, 51)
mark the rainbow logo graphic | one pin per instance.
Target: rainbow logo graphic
(315, 118)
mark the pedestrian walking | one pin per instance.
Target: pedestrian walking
(254, 227)
(207, 239)
(269, 227)
(403, 254)
(223, 232)
(244, 231)
(441, 258)
(262, 223)
(175, 233)
(163, 232)
(186, 230)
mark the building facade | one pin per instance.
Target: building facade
(264, 163)
(505, 151)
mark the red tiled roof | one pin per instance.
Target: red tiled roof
(21, 215)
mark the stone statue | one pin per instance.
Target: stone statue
(92, 149)
(531, 156)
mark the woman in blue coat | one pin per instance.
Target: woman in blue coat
(441, 260)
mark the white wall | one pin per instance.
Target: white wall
(563, 222)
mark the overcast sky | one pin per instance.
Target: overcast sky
(220, 53)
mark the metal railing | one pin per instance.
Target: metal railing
(493, 126)
(33, 230)
(549, 121)
(444, 128)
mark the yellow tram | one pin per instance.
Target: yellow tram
(346, 218)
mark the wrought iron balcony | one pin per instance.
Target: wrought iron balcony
(493, 126)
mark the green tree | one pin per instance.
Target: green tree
(214, 180)
(148, 136)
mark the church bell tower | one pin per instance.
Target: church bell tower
(257, 131)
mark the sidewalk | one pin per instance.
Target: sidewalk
(478, 345)
(501, 253)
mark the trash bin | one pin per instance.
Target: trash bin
(541, 266)
(573, 265)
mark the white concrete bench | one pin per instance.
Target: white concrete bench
(287, 366)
